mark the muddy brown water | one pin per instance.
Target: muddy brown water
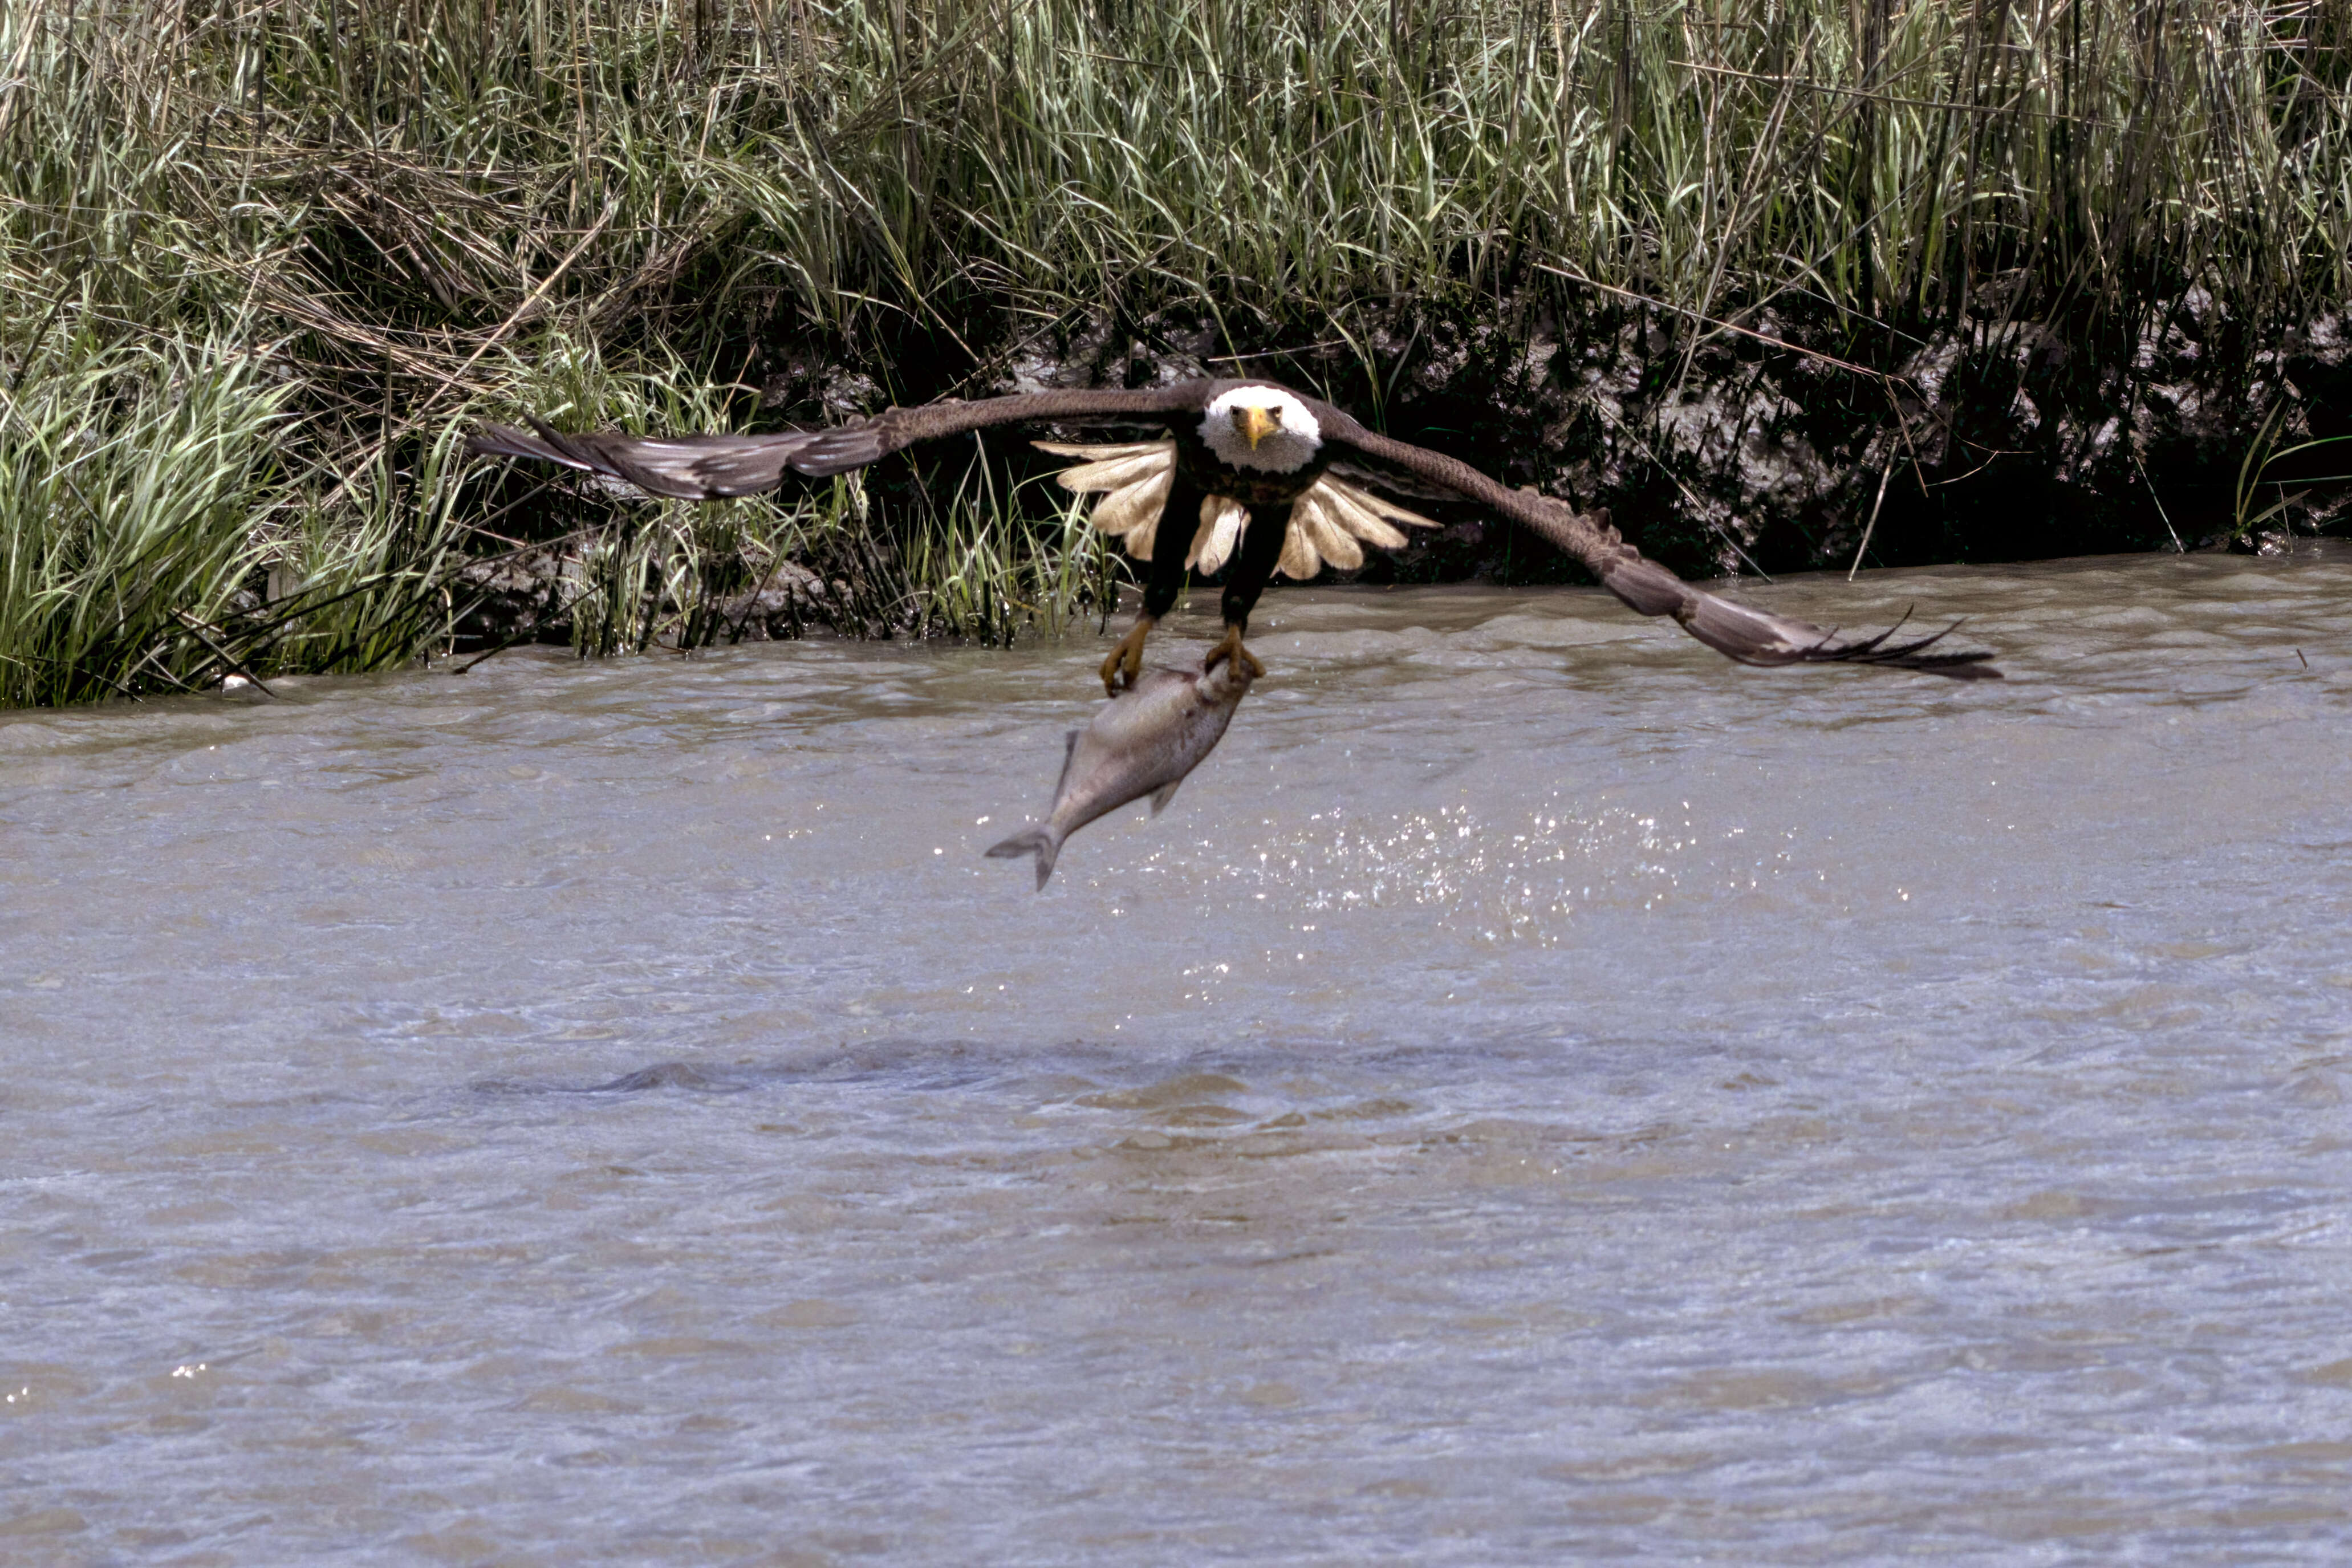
(1541, 1093)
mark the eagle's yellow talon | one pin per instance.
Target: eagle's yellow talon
(1127, 659)
(1232, 649)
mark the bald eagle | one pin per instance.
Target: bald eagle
(1246, 473)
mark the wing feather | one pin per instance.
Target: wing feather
(1334, 543)
(1142, 540)
(710, 468)
(688, 467)
(1134, 508)
(1298, 562)
(1110, 468)
(1097, 450)
(1222, 521)
(1738, 632)
(1365, 515)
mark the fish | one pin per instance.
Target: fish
(1143, 741)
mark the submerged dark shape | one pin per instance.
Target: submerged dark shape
(1144, 740)
(1248, 470)
(664, 1075)
(661, 1074)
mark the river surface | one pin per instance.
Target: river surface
(1541, 1094)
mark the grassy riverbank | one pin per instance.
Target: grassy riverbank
(262, 262)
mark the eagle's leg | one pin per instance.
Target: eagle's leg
(1163, 582)
(1232, 649)
(1126, 660)
(1253, 565)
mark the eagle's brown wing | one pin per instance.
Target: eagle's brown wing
(709, 467)
(1749, 636)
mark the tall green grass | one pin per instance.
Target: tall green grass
(151, 539)
(379, 217)
(129, 481)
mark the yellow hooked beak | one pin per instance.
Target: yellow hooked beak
(1256, 424)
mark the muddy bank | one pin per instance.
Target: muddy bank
(1778, 443)
(1768, 445)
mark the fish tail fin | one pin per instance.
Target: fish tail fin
(1037, 842)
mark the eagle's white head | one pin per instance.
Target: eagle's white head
(1261, 428)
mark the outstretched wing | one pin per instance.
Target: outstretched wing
(1749, 636)
(710, 468)
(690, 468)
